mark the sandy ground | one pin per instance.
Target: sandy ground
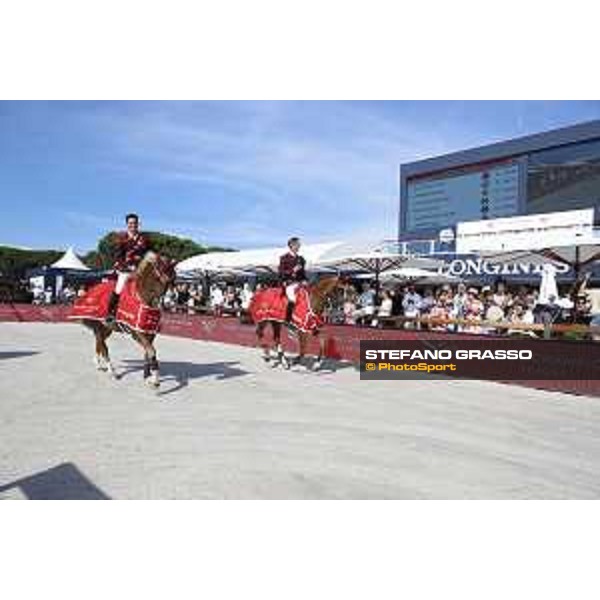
(225, 425)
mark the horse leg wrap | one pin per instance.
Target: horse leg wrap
(289, 311)
(113, 303)
(146, 370)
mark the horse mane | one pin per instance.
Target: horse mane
(149, 259)
(144, 269)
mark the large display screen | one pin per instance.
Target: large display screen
(564, 178)
(436, 202)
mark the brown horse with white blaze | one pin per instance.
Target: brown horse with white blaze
(152, 277)
(318, 295)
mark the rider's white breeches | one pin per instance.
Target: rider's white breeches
(122, 278)
(290, 291)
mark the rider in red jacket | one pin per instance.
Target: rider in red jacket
(131, 247)
(292, 273)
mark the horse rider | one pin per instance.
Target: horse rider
(131, 246)
(292, 274)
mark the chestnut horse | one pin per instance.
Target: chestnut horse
(319, 294)
(153, 275)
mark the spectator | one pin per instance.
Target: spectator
(183, 296)
(397, 301)
(216, 300)
(349, 306)
(428, 301)
(385, 308)
(411, 304)
(473, 310)
(193, 302)
(38, 295)
(459, 302)
(170, 299)
(366, 303)
(246, 296)
(500, 297)
(520, 315)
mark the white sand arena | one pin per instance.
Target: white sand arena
(225, 425)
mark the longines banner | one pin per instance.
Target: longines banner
(479, 266)
(491, 359)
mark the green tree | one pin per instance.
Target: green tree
(14, 262)
(170, 246)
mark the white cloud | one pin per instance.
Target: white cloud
(281, 164)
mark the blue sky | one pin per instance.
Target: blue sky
(241, 174)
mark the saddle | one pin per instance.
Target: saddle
(131, 311)
(271, 305)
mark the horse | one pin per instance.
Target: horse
(268, 308)
(152, 277)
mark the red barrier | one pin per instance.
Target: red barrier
(342, 342)
(27, 312)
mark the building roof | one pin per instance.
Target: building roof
(581, 132)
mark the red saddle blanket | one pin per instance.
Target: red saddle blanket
(271, 305)
(131, 311)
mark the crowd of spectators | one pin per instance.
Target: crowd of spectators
(49, 295)
(476, 308)
(221, 299)
(473, 307)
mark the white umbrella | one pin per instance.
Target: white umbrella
(574, 256)
(548, 287)
(423, 275)
(371, 258)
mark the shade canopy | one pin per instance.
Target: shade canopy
(266, 259)
(574, 256)
(418, 275)
(354, 257)
(372, 258)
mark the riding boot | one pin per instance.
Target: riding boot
(113, 303)
(289, 311)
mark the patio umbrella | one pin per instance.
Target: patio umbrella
(548, 287)
(575, 257)
(370, 258)
(420, 275)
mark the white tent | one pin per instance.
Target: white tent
(70, 261)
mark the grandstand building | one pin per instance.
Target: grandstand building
(547, 172)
